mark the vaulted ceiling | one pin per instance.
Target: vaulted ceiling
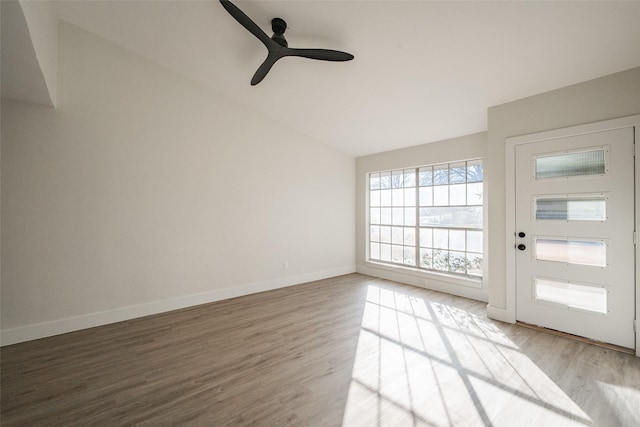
(423, 71)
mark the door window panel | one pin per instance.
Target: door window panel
(571, 208)
(582, 252)
(573, 295)
(571, 164)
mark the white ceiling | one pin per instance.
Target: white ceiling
(423, 71)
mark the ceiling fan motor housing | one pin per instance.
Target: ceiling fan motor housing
(279, 26)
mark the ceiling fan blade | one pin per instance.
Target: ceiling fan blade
(265, 67)
(246, 22)
(277, 45)
(322, 54)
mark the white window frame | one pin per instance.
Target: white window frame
(460, 278)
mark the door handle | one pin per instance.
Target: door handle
(521, 234)
(522, 247)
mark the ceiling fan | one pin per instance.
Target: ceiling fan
(277, 45)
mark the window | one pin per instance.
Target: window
(582, 297)
(566, 165)
(429, 218)
(571, 208)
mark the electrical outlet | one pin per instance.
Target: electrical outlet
(285, 265)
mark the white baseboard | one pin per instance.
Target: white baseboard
(432, 284)
(501, 314)
(70, 324)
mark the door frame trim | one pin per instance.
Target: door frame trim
(509, 313)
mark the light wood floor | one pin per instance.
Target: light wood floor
(350, 351)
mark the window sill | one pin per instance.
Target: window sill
(428, 275)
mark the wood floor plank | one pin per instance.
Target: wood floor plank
(347, 351)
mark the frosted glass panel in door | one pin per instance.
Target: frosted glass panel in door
(571, 164)
(590, 298)
(571, 208)
(581, 252)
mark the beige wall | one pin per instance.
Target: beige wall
(463, 148)
(613, 96)
(143, 191)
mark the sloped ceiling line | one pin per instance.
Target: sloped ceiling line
(29, 51)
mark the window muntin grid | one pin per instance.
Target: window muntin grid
(428, 217)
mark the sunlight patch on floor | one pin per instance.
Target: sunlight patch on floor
(626, 400)
(423, 363)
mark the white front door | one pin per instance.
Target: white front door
(575, 251)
